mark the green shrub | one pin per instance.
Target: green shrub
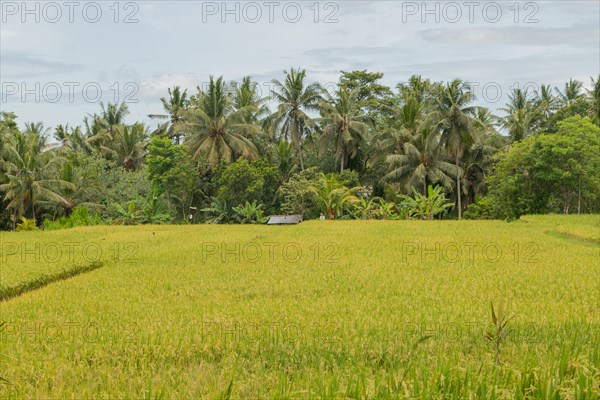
(80, 216)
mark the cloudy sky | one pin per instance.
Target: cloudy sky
(59, 59)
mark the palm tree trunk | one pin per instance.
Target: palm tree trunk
(300, 157)
(458, 189)
(342, 161)
(297, 138)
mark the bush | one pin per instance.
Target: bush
(244, 181)
(482, 208)
(297, 198)
(80, 216)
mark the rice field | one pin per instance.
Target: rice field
(321, 310)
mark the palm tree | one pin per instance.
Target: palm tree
(37, 129)
(333, 195)
(246, 96)
(129, 145)
(477, 161)
(215, 129)
(173, 107)
(545, 101)
(421, 162)
(594, 99)
(113, 115)
(571, 92)
(453, 116)
(416, 88)
(30, 171)
(83, 185)
(71, 139)
(285, 161)
(343, 127)
(522, 115)
(295, 99)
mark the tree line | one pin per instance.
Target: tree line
(423, 149)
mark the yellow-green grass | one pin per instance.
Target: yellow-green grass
(378, 311)
(583, 227)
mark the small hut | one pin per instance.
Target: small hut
(284, 219)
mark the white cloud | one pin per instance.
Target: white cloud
(156, 87)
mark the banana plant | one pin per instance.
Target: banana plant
(426, 207)
(250, 213)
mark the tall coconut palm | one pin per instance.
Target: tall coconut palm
(112, 115)
(129, 145)
(344, 128)
(522, 115)
(71, 139)
(570, 93)
(215, 130)
(453, 116)
(173, 107)
(83, 186)
(285, 160)
(246, 95)
(30, 171)
(100, 127)
(416, 88)
(593, 95)
(37, 129)
(477, 161)
(295, 100)
(421, 162)
(545, 101)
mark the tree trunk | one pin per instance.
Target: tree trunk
(300, 157)
(458, 189)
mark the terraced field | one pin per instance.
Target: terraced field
(399, 311)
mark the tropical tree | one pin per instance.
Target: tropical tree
(421, 162)
(215, 130)
(173, 107)
(285, 160)
(129, 145)
(453, 116)
(247, 96)
(30, 173)
(344, 128)
(250, 213)
(593, 96)
(426, 206)
(522, 115)
(295, 99)
(82, 187)
(221, 213)
(570, 93)
(71, 139)
(112, 115)
(332, 195)
(545, 102)
(365, 209)
(477, 161)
